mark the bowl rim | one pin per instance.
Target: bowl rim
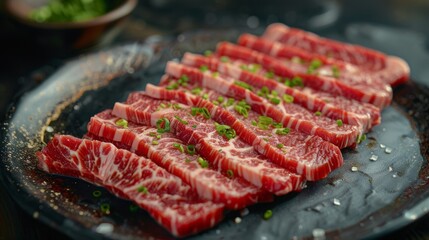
(117, 13)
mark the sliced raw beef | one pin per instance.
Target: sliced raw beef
(290, 115)
(179, 159)
(230, 155)
(306, 155)
(359, 89)
(303, 61)
(168, 200)
(336, 107)
(396, 70)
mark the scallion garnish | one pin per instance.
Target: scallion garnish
(264, 122)
(230, 173)
(203, 111)
(242, 108)
(243, 85)
(224, 59)
(275, 100)
(181, 120)
(173, 86)
(268, 214)
(179, 147)
(142, 189)
(203, 163)
(154, 142)
(288, 98)
(263, 92)
(335, 71)
(196, 91)
(105, 208)
(339, 123)
(280, 145)
(225, 130)
(205, 96)
(163, 125)
(190, 149)
(269, 74)
(314, 65)
(204, 68)
(208, 53)
(283, 131)
(133, 208)
(96, 193)
(122, 123)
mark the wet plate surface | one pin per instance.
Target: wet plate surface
(382, 185)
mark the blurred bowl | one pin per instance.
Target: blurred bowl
(69, 36)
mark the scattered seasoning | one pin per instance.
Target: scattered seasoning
(280, 145)
(230, 173)
(382, 146)
(243, 85)
(335, 71)
(288, 98)
(190, 149)
(388, 150)
(225, 130)
(203, 111)
(283, 131)
(179, 147)
(203, 163)
(268, 214)
(204, 68)
(318, 113)
(181, 120)
(319, 233)
(237, 220)
(224, 59)
(122, 123)
(336, 202)
(242, 108)
(163, 125)
(96, 193)
(154, 142)
(208, 53)
(339, 123)
(142, 189)
(244, 212)
(373, 158)
(354, 169)
(196, 91)
(314, 65)
(105, 208)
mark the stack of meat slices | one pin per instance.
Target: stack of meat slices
(233, 127)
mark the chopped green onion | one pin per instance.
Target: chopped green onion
(215, 102)
(269, 74)
(163, 125)
(225, 130)
(264, 122)
(242, 108)
(154, 142)
(208, 53)
(283, 131)
(243, 85)
(183, 80)
(277, 125)
(190, 149)
(280, 145)
(339, 123)
(181, 120)
(220, 99)
(297, 59)
(230, 173)
(205, 96)
(173, 86)
(230, 102)
(275, 101)
(335, 71)
(254, 123)
(196, 91)
(224, 59)
(263, 92)
(179, 147)
(318, 113)
(203, 111)
(96, 193)
(105, 208)
(268, 214)
(194, 126)
(361, 138)
(153, 134)
(297, 82)
(142, 189)
(122, 123)
(314, 65)
(204, 68)
(215, 74)
(288, 98)
(203, 163)
(187, 160)
(162, 105)
(176, 106)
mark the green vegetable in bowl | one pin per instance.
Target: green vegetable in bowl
(70, 10)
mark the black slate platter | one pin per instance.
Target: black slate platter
(364, 198)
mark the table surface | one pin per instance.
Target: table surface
(22, 62)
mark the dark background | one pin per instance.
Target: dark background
(22, 63)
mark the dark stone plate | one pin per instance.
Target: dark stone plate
(364, 198)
